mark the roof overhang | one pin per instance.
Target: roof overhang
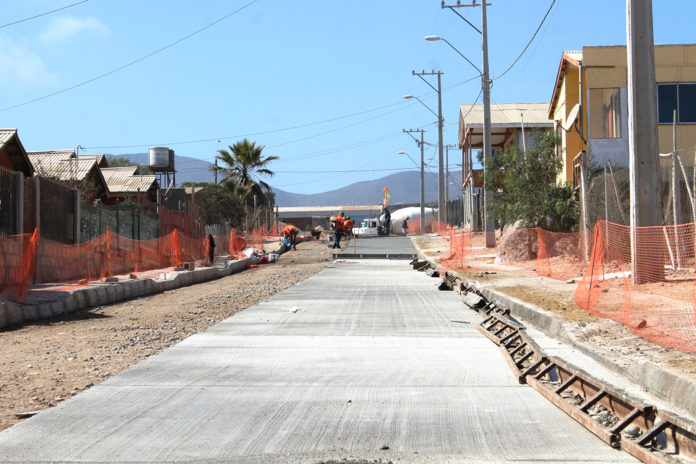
(566, 62)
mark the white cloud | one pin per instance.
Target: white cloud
(66, 26)
(21, 66)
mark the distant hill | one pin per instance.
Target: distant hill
(404, 187)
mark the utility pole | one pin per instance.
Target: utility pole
(488, 219)
(441, 198)
(643, 149)
(421, 143)
(217, 151)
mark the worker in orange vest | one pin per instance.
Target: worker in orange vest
(339, 230)
(290, 234)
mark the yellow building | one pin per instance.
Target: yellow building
(590, 105)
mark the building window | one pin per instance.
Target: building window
(605, 113)
(680, 97)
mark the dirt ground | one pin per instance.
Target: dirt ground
(46, 362)
(606, 336)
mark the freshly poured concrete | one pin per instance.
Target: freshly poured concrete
(369, 359)
(393, 245)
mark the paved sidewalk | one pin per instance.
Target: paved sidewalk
(361, 361)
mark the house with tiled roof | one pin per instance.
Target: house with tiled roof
(125, 184)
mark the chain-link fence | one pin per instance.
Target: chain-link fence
(138, 222)
(8, 206)
(608, 196)
(57, 206)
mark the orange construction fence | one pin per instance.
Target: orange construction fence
(643, 277)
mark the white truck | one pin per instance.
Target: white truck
(368, 228)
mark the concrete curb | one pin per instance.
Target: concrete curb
(667, 385)
(99, 294)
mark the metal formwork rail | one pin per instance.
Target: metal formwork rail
(622, 421)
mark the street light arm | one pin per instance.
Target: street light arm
(421, 102)
(461, 54)
(424, 80)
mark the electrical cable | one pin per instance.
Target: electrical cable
(42, 14)
(553, 2)
(142, 58)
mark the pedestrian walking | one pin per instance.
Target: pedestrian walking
(404, 225)
(211, 249)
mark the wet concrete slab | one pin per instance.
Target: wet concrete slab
(362, 361)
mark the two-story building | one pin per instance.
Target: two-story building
(590, 105)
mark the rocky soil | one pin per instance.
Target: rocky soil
(51, 360)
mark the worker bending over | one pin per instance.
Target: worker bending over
(290, 236)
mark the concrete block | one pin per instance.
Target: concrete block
(45, 311)
(102, 296)
(126, 289)
(4, 317)
(111, 280)
(80, 299)
(69, 304)
(92, 297)
(29, 313)
(670, 386)
(112, 293)
(15, 314)
(57, 308)
(189, 266)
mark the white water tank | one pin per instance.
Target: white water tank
(159, 158)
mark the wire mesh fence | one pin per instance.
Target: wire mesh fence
(8, 206)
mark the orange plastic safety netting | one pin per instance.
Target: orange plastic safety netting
(561, 255)
(645, 278)
(17, 263)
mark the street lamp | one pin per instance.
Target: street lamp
(489, 223)
(422, 185)
(441, 199)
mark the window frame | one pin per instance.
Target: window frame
(618, 111)
(676, 84)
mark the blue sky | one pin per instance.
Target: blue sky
(319, 84)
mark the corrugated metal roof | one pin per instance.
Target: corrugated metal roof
(124, 180)
(99, 157)
(46, 161)
(6, 135)
(71, 169)
(9, 139)
(508, 115)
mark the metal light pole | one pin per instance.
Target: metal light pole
(421, 143)
(489, 222)
(441, 200)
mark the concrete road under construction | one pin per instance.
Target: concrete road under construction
(360, 362)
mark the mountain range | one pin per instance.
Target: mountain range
(404, 187)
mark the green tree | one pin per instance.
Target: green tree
(121, 161)
(219, 204)
(243, 165)
(526, 186)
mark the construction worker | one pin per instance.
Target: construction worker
(404, 226)
(339, 230)
(290, 236)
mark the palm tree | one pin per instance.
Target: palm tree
(243, 164)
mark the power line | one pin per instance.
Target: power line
(344, 170)
(42, 14)
(142, 58)
(553, 2)
(284, 129)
